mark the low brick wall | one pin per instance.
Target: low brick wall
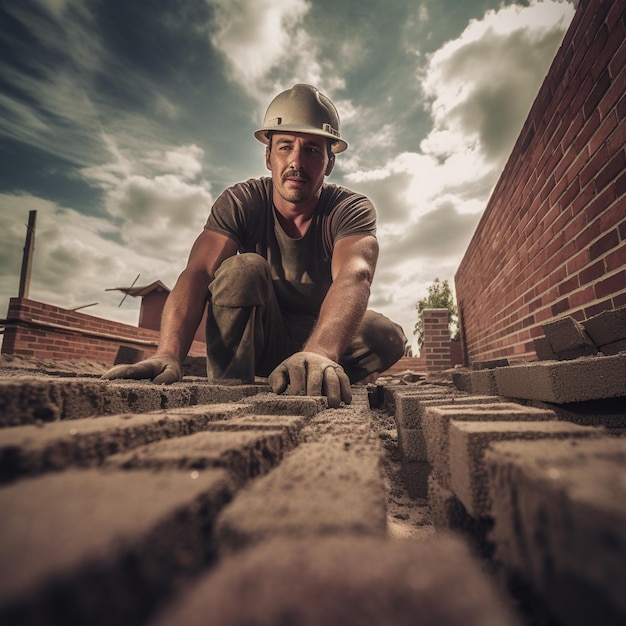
(45, 331)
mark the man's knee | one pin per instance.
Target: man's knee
(242, 280)
(384, 337)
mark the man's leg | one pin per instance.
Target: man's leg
(244, 331)
(378, 344)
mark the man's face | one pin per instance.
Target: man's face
(298, 162)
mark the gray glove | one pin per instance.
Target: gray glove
(310, 374)
(161, 370)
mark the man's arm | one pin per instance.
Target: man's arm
(182, 312)
(315, 370)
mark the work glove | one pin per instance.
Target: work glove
(161, 370)
(311, 374)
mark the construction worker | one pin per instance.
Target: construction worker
(285, 265)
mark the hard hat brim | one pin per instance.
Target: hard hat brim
(337, 145)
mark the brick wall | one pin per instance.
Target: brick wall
(436, 348)
(44, 331)
(552, 240)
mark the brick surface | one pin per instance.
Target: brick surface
(101, 547)
(341, 581)
(568, 338)
(436, 423)
(320, 488)
(560, 510)
(589, 378)
(469, 440)
(245, 454)
(29, 450)
(32, 400)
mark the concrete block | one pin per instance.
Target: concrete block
(462, 380)
(469, 440)
(31, 450)
(560, 523)
(436, 420)
(568, 339)
(415, 475)
(544, 350)
(320, 488)
(245, 454)
(35, 400)
(342, 581)
(607, 328)
(614, 348)
(590, 378)
(94, 547)
(484, 382)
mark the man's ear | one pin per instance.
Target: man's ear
(331, 164)
(267, 158)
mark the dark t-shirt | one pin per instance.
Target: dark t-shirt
(301, 268)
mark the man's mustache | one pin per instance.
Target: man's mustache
(299, 173)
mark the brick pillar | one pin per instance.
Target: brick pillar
(436, 348)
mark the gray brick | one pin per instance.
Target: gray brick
(568, 339)
(560, 511)
(469, 440)
(30, 450)
(436, 420)
(326, 487)
(33, 400)
(245, 454)
(342, 581)
(590, 378)
(94, 547)
(607, 328)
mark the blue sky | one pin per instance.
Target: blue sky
(121, 122)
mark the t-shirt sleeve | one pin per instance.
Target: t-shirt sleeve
(354, 215)
(236, 210)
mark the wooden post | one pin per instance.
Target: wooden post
(27, 259)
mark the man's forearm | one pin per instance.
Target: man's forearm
(181, 315)
(340, 316)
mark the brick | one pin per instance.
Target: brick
(326, 487)
(568, 338)
(119, 541)
(564, 503)
(39, 399)
(345, 580)
(607, 327)
(436, 420)
(469, 440)
(590, 378)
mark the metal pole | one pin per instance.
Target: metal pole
(27, 259)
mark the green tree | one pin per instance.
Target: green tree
(439, 296)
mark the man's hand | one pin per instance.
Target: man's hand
(310, 374)
(161, 370)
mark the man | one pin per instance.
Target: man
(286, 264)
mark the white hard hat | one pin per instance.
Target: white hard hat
(302, 109)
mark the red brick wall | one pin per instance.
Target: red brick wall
(552, 240)
(436, 348)
(45, 331)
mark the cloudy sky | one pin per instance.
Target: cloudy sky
(121, 121)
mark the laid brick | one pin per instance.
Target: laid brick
(320, 488)
(30, 450)
(32, 400)
(563, 503)
(436, 422)
(345, 580)
(245, 454)
(589, 378)
(469, 440)
(94, 547)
